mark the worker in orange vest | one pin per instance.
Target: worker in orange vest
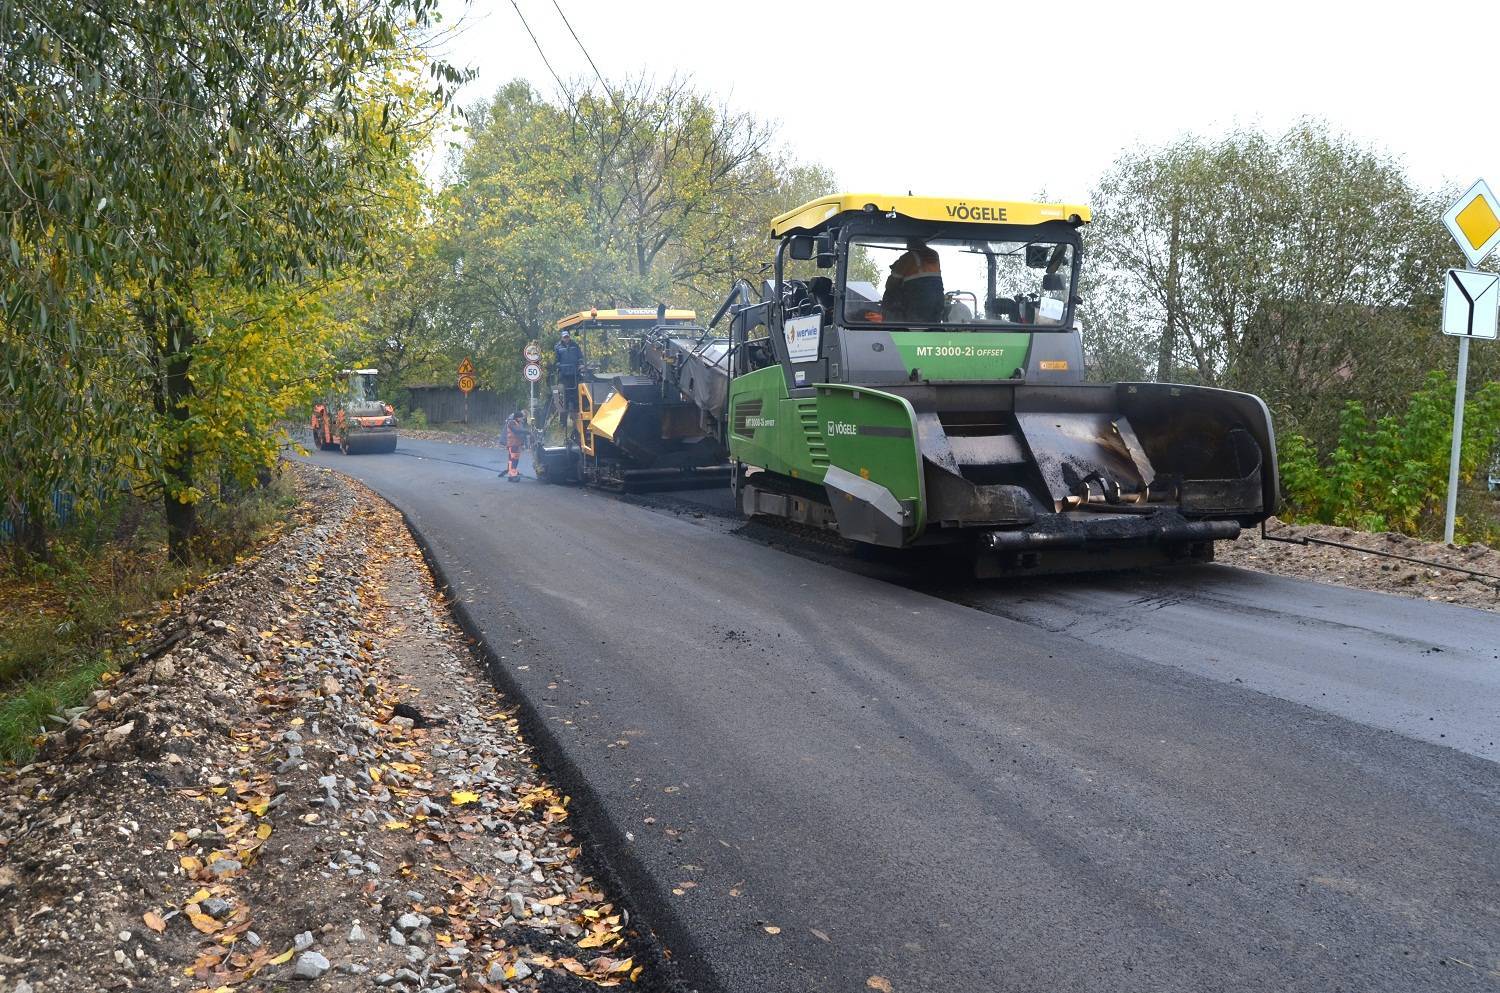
(516, 432)
(914, 289)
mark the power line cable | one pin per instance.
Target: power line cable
(597, 74)
(543, 54)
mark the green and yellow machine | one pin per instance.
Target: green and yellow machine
(913, 375)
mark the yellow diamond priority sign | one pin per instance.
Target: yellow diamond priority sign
(1474, 222)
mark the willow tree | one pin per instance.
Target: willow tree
(155, 147)
(1303, 266)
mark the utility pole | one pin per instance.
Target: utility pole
(1458, 440)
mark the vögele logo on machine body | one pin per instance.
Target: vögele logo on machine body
(964, 212)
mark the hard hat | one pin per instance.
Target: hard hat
(567, 334)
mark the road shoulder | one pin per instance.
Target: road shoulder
(304, 773)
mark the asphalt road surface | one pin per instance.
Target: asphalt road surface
(1199, 780)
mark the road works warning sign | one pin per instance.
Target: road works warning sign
(1474, 222)
(1471, 304)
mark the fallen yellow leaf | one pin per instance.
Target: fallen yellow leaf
(879, 983)
(461, 797)
(154, 922)
(263, 830)
(190, 863)
(772, 929)
(285, 956)
(204, 923)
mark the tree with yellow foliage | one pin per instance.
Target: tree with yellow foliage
(181, 179)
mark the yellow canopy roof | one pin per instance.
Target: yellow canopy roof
(624, 315)
(812, 216)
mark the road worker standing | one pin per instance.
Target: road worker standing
(568, 359)
(516, 433)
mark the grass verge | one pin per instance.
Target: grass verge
(63, 624)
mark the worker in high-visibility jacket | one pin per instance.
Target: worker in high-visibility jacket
(516, 432)
(568, 360)
(914, 289)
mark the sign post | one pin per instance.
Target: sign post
(1471, 306)
(533, 354)
(466, 383)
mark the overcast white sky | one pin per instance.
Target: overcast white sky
(1006, 99)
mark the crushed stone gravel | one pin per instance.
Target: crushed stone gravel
(1366, 570)
(240, 808)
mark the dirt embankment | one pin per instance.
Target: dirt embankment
(303, 780)
(1367, 571)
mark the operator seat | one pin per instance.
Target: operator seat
(821, 288)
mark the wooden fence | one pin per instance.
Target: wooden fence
(444, 404)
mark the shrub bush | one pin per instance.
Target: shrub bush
(1390, 473)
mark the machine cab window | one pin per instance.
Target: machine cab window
(959, 282)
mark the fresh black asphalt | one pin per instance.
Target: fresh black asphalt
(1203, 780)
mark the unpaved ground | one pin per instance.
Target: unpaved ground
(478, 437)
(1365, 571)
(243, 807)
